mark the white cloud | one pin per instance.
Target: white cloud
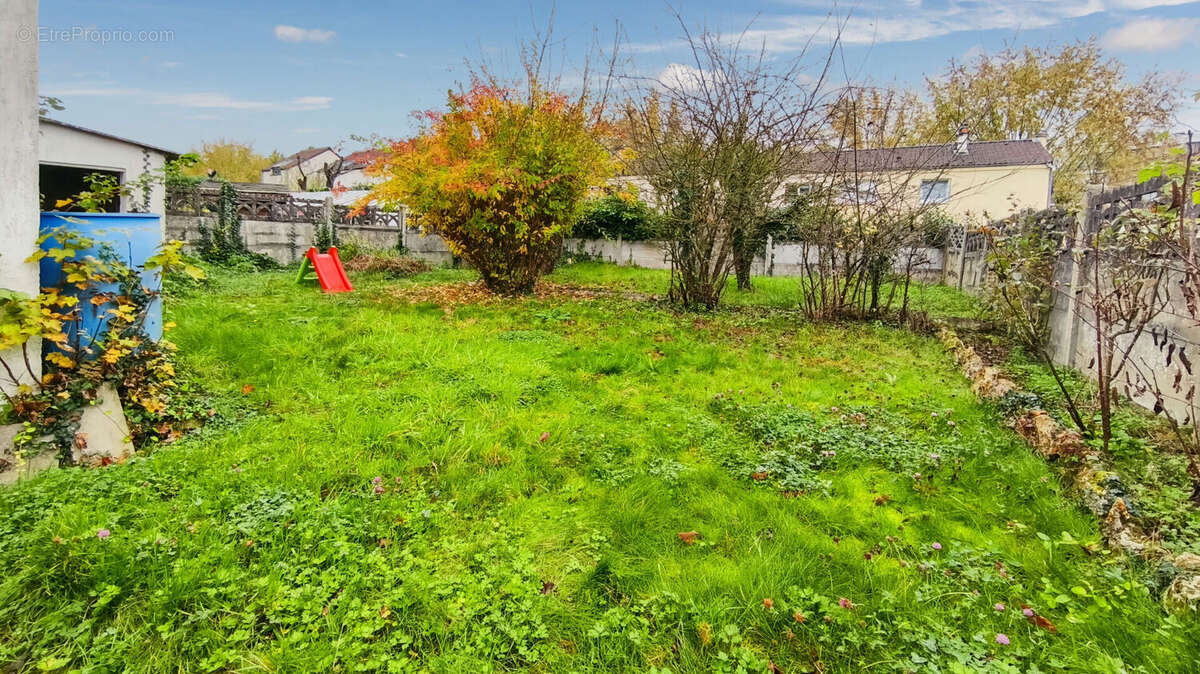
(1151, 34)
(401, 54)
(294, 34)
(1188, 117)
(194, 100)
(1145, 4)
(972, 54)
(683, 78)
(882, 22)
(170, 64)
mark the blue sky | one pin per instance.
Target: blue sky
(286, 75)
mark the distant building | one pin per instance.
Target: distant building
(353, 175)
(68, 153)
(970, 181)
(964, 179)
(304, 170)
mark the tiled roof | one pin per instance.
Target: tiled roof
(361, 159)
(930, 157)
(301, 156)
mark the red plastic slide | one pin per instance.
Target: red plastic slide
(330, 273)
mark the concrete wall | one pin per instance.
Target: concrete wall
(65, 146)
(286, 242)
(18, 150)
(1158, 355)
(783, 259)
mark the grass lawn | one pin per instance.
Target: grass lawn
(568, 484)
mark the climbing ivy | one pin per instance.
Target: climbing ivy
(223, 243)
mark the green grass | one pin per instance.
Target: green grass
(778, 292)
(538, 460)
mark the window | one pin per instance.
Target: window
(793, 191)
(864, 192)
(935, 191)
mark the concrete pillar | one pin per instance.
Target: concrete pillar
(18, 152)
(327, 214)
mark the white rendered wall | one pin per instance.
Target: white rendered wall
(18, 150)
(64, 146)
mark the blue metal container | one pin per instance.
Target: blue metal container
(133, 237)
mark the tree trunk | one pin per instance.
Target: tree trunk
(743, 259)
(741, 267)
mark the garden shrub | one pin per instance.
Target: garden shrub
(616, 216)
(1021, 256)
(324, 236)
(500, 176)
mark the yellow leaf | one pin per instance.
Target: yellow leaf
(63, 202)
(59, 359)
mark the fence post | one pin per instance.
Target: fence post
(769, 257)
(1086, 224)
(404, 227)
(962, 254)
(327, 218)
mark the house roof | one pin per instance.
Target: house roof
(301, 156)
(930, 157)
(215, 185)
(170, 154)
(362, 158)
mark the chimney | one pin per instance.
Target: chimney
(963, 140)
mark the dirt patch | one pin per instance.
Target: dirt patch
(450, 295)
(392, 267)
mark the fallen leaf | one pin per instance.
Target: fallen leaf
(548, 587)
(768, 603)
(544, 437)
(1043, 623)
(759, 476)
(385, 612)
(247, 389)
(689, 537)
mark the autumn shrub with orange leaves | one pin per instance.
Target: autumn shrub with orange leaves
(500, 175)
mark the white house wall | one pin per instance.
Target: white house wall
(64, 146)
(312, 168)
(354, 178)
